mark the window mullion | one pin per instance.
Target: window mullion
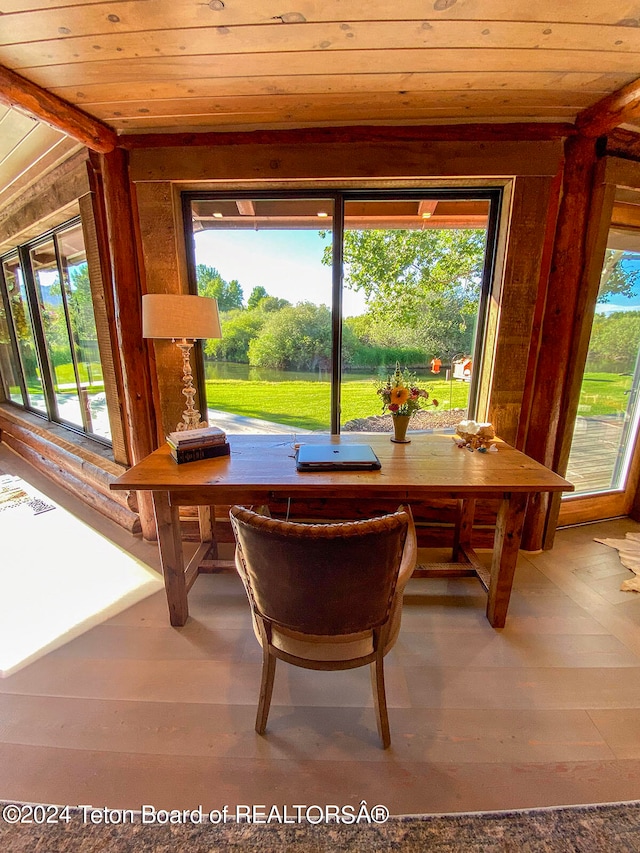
(12, 337)
(38, 333)
(336, 313)
(63, 274)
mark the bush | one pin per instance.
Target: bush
(386, 357)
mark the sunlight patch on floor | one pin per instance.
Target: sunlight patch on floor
(58, 579)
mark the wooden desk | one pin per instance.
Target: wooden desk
(261, 467)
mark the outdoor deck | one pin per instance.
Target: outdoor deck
(594, 452)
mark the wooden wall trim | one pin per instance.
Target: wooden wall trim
(515, 298)
(622, 173)
(511, 131)
(518, 297)
(395, 159)
(163, 256)
(564, 303)
(538, 313)
(492, 322)
(137, 397)
(108, 359)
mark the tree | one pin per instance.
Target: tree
(256, 295)
(259, 298)
(212, 285)
(239, 327)
(272, 303)
(80, 304)
(422, 286)
(295, 338)
(614, 341)
(619, 276)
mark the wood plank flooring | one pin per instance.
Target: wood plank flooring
(544, 712)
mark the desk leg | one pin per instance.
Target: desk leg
(206, 522)
(171, 557)
(505, 555)
(464, 529)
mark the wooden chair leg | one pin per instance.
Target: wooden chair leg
(380, 699)
(266, 689)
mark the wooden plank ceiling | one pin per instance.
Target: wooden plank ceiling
(149, 65)
(166, 65)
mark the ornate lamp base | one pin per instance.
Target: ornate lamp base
(191, 416)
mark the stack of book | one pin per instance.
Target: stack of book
(193, 444)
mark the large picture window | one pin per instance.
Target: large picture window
(322, 294)
(49, 358)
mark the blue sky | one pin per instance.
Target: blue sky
(623, 303)
(286, 263)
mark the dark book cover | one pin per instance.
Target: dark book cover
(193, 454)
(205, 442)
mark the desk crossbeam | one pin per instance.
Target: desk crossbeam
(262, 468)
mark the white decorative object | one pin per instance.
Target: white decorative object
(476, 436)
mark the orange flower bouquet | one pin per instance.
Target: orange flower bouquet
(401, 394)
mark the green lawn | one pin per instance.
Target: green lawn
(307, 404)
(90, 375)
(604, 394)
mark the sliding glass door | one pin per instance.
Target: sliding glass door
(322, 294)
(606, 429)
(266, 265)
(413, 277)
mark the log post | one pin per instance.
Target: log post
(54, 111)
(137, 400)
(550, 418)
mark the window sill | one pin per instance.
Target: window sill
(68, 439)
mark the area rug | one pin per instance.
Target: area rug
(58, 577)
(629, 551)
(14, 492)
(610, 828)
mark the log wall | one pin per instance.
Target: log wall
(64, 457)
(75, 468)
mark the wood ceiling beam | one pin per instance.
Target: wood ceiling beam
(18, 92)
(611, 111)
(508, 131)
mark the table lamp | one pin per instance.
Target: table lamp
(183, 319)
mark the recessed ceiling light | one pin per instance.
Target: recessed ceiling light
(426, 215)
(217, 214)
(322, 213)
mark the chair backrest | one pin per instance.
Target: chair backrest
(321, 579)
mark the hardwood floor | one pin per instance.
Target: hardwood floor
(543, 712)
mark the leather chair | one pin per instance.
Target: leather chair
(325, 596)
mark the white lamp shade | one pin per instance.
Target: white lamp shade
(171, 315)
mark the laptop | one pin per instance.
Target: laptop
(336, 457)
